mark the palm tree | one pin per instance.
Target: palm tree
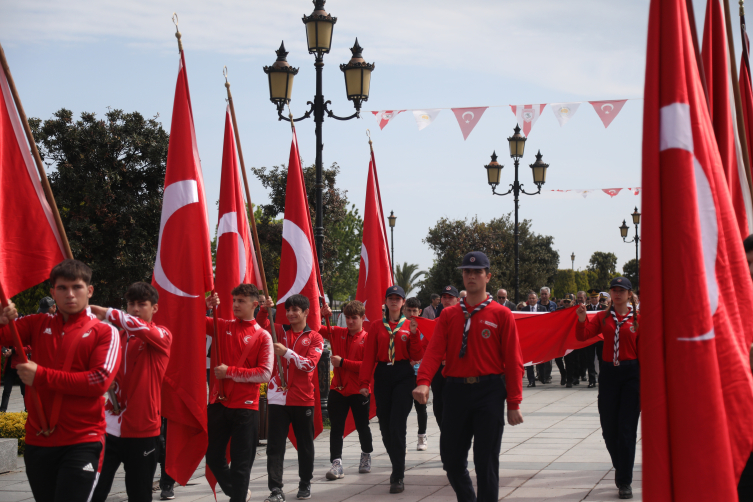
(407, 276)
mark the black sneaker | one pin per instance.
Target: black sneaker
(397, 486)
(563, 381)
(569, 385)
(275, 496)
(167, 493)
(591, 385)
(304, 492)
(626, 492)
(532, 384)
(576, 382)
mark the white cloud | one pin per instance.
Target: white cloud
(591, 48)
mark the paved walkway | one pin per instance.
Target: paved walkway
(558, 454)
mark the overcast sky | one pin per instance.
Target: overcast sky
(90, 55)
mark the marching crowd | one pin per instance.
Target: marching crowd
(471, 362)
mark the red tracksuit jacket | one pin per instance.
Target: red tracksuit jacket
(407, 347)
(241, 387)
(350, 348)
(492, 349)
(144, 354)
(298, 365)
(82, 414)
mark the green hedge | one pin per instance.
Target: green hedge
(13, 425)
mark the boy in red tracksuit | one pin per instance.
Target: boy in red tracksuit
(347, 353)
(133, 429)
(76, 358)
(241, 361)
(300, 349)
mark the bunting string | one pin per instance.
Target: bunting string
(525, 115)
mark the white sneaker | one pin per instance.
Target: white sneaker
(423, 442)
(248, 495)
(336, 472)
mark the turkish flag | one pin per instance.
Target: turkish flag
(611, 191)
(299, 270)
(722, 108)
(468, 118)
(608, 110)
(691, 245)
(182, 276)
(30, 244)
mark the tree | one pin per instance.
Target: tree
(108, 184)
(342, 227)
(407, 276)
(630, 271)
(452, 239)
(603, 265)
(564, 283)
(583, 279)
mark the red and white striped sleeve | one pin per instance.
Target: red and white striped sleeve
(103, 365)
(262, 372)
(158, 338)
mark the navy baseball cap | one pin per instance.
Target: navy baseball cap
(450, 290)
(395, 290)
(620, 282)
(475, 259)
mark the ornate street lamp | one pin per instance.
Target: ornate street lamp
(624, 233)
(281, 76)
(572, 259)
(392, 218)
(517, 143)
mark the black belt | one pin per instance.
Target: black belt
(629, 362)
(385, 363)
(477, 379)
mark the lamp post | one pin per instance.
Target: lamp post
(572, 258)
(517, 144)
(392, 219)
(319, 26)
(624, 232)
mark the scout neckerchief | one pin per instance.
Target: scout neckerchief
(481, 306)
(619, 324)
(392, 334)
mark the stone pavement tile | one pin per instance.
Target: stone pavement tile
(579, 466)
(606, 491)
(552, 441)
(512, 465)
(562, 435)
(412, 493)
(15, 485)
(15, 496)
(545, 494)
(637, 475)
(565, 479)
(507, 457)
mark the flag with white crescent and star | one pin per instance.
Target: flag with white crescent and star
(690, 244)
(468, 118)
(608, 110)
(182, 276)
(299, 270)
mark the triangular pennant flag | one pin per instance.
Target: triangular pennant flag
(564, 111)
(468, 118)
(527, 115)
(611, 191)
(384, 116)
(608, 110)
(424, 118)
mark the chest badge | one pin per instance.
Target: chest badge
(404, 338)
(632, 329)
(486, 333)
(306, 342)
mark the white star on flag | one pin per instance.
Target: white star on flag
(424, 118)
(564, 111)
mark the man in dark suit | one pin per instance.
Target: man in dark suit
(595, 349)
(544, 370)
(502, 300)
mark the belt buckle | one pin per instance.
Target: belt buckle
(471, 380)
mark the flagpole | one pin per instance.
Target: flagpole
(742, 137)
(37, 159)
(252, 219)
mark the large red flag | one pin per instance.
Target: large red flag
(375, 272)
(182, 275)
(236, 259)
(722, 109)
(30, 244)
(691, 245)
(298, 266)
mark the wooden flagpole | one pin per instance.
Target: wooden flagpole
(37, 158)
(252, 220)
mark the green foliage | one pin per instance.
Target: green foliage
(564, 283)
(603, 265)
(630, 272)
(108, 184)
(407, 277)
(583, 279)
(342, 228)
(13, 425)
(27, 302)
(451, 239)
